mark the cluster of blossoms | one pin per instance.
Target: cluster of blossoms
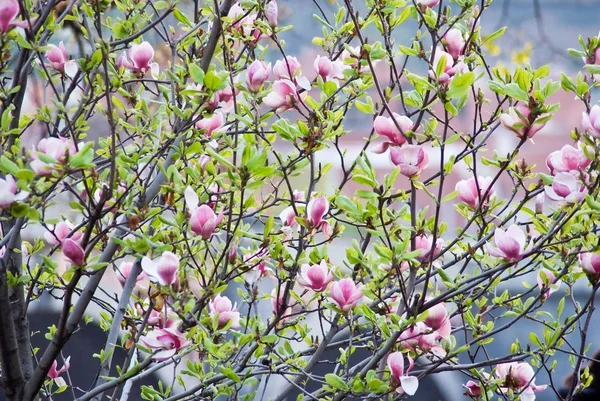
(516, 377)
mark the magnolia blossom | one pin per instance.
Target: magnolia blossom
(427, 3)
(204, 220)
(473, 389)
(164, 318)
(211, 124)
(455, 43)
(166, 342)
(539, 202)
(57, 57)
(438, 320)
(54, 373)
(518, 121)
(547, 283)
(424, 243)
(58, 149)
(345, 293)
(567, 160)
(124, 270)
(60, 232)
(271, 12)
(316, 209)
(385, 126)
(315, 277)
(259, 268)
(288, 217)
(139, 59)
(591, 122)
(566, 189)
(163, 270)
(510, 244)
(328, 69)
(222, 99)
(73, 251)
(450, 68)
(9, 9)
(277, 300)
(424, 338)
(590, 261)
(407, 384)
(257, 74)
(9, 192)
(519, 377)
(289, 68)
(412, 159)
(470, 190)
(225, 312)
(283, 95)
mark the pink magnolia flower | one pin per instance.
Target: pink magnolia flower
(422, 337)
(204, 220)
(316, 209)
(450, 69)
(225, 312)
(257, 74)
(271, 12)
(470, 190)
(54, 373)
(510, 244)
(73, 251)
(259, 268)
(473, 389)
(236, 12)
(211, 124)
(547, 283)
(520, 377)
(567, 160)
(412, 159)
(455, 43)
(424, 243)
(9, 10)
(345, 293)
(517, 120)
(407, 384)
(385, 126)
(159, 319)
(57, 56)
(166, 341)
(58, 149)
(290, 69)
(539, 202)
(9, 193)
(278, 302)
(566, 189)
(438, 320)
(590, 261)
(591, 122)
(139, 59)
(329, 69)
(223, 99)
(427, 3)
(60, 232)
(315, 277)
(124, 270)
(163, 270)
(288, 217)
(283, 96)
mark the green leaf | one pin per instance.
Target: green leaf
(514, 91)
(229, 373)
(494, 35)
(197, 74)
(336, 382)
(181, 17)
(8, 166)
(460, 85)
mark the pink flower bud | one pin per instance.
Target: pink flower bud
(73, 251)
(226, 312)
(438, 319)
(124, 271)
(427, 3)
(455, 42)
(58, 149)
(9, 9)
(138, 58)
(288, 68)
(277, 300)
(211, 124)
(316, 210)
(510, 244)
(517, 120)
(424, 244)
(407, 384)
(345, 293)
(411, 159)
(591, 122)
(288, 217)
(271, 12)
(57, 57)
(546, 280)
(315, 277)
(473, 389)
(60, 232)
(385, 126)
(590, 261)
(298, 195)
(204, 221)
(163, 270)
(566, 189)
(539, 203)
(519, 376)
(328, 69)
(450, 68)
(9, 192)
(469, 191)
(567, 160)
(166, 342)
(283, 96)
(257, 74)
(232, 255)
(54, 373)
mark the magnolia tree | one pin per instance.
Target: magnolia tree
(207, 197)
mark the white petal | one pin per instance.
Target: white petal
(149, 267)
(154, 70)
(191, 199)
(409, 384)
(71, 68)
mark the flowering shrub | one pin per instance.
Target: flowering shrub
(222, 183)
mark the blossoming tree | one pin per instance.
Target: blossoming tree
(208, 197)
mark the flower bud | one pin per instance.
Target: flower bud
(73, 251)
